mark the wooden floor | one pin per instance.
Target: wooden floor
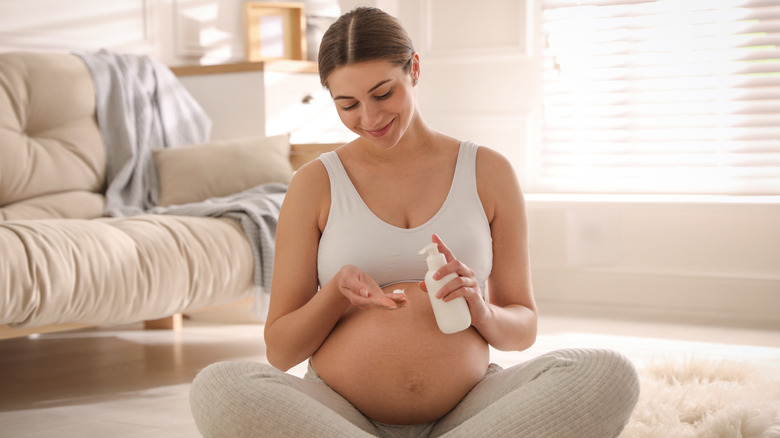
(128, 382)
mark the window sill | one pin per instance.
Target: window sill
(577, 198)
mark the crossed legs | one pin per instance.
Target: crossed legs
(566, 393)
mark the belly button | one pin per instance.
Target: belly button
(414, 387)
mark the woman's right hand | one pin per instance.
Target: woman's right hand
(364, 293)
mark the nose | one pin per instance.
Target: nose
(371, 115)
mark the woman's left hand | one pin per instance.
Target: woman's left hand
(464, 285)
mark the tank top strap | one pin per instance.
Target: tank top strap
(464, 188)
(332, 165)
(469, 152)
(342, 192)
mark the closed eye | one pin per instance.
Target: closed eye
(380, 97)
(384, 96)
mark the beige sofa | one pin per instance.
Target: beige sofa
(61, 259)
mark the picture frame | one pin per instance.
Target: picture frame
(274, 31)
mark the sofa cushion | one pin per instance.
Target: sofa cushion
(49, 139)
(77, 204)
(197, 172)
(119, 270)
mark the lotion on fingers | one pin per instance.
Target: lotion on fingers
(452, 316)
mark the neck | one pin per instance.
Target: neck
(414, 142)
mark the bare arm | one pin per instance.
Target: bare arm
(300, 317)
(511, 323)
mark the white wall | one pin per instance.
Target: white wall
(124, 25)
(706, 259)
(176, 32)
(692, 259)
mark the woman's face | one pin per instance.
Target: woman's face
(375, 99)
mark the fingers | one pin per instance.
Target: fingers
(382, 300)
(464, 285)
(453, 265)
(374, 297)
(461, 286)
(398, 298)
(363, 292)
(448, 255)
(356, 286)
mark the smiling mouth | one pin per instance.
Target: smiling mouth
(380, 132)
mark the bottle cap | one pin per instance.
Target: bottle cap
(432, 250)
(435, 259)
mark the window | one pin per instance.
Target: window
(660, 96)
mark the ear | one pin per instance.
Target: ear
(415, 71)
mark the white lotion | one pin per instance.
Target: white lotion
(452, 316)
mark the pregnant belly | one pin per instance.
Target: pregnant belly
(396, 367)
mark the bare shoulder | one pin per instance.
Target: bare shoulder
(309, 192)
(497, 184)
(310, 174)
(491, 163)
(496, 177)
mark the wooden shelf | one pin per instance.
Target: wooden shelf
(302, 153)
(281, 65)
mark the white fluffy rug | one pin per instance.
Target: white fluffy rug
(701, 398)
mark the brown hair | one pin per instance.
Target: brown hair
(364, 34)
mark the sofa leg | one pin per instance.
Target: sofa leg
(172, 322)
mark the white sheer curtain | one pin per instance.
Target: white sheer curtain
(665, 96)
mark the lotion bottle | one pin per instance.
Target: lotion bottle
(452, 316)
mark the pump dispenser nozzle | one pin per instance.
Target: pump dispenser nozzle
(431, 249)
(435, 259)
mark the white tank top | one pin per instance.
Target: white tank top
(353, 235)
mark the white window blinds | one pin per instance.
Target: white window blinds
(666, 96)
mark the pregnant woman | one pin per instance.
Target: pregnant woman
(347, 242)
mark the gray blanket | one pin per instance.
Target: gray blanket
(257, 210)
(141, 106)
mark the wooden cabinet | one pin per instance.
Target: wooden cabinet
(265, 98)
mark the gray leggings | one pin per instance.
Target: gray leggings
(566, 393)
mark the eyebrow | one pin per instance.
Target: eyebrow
(372, 89)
